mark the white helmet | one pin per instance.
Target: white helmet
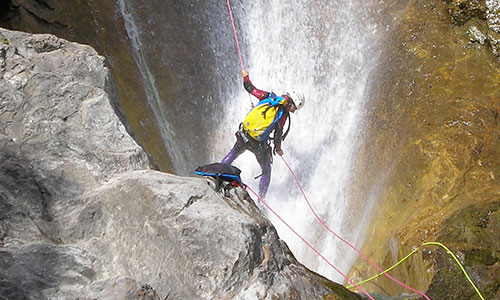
(297, 98)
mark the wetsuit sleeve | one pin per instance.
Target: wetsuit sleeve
(249, 87)
(278, 132)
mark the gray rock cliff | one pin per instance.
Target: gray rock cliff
(82, 216)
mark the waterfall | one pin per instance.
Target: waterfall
(153, 97)
(323, 49)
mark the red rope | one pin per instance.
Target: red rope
(317, 217)
(345, 241)
(237, 43)
(235, 35)
(307, 243)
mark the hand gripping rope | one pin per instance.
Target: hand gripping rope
(242, 66)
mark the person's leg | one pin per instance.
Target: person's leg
(238, 148)
(264, 159)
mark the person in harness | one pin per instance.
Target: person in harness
(263, 124)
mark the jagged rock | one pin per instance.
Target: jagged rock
(482, 19)
(55, 110)
(99, 25)
(83, 217)
(187, 240)
(59, 137)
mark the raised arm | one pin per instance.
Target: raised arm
(249, 87)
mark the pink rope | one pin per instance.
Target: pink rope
(345, 241)
(235, 35)
(237, 43)
(307, 243)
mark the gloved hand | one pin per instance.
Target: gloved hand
(277, 151)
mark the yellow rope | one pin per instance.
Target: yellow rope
(413, 252)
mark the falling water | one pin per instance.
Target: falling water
(153, 97)
(323, 49)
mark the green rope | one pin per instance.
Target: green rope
(458, 263)
(413, 252)
(382, 273)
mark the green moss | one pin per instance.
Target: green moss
(470, 233)
(450, 283)
(4, 39)
(462, 11)
(475, 225)
(480, 257)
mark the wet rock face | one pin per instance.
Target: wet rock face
(95, 23)
(462, 11)
(177, 55)
(431, 151)
(473, 234)
(481, 18)
(83, 217)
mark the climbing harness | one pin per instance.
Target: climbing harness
(242, 66)
(319, 219)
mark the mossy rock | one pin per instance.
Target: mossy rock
(4, 39)
(462, 11)
(450, 282)
(471, 235)
(432, 143)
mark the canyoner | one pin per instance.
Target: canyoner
(255, 133)
(262, 126)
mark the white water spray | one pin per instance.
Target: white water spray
(321, 48)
